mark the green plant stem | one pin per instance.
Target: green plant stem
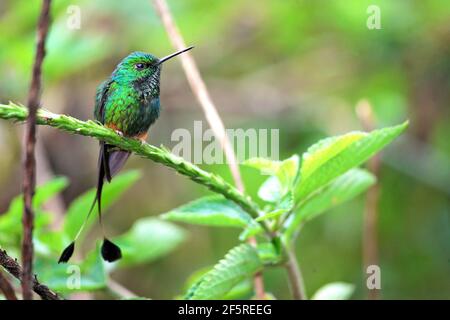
(294, 274)
(160, 155)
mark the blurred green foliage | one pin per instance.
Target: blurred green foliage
(147, 240)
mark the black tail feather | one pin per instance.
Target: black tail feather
(103, 171)
(67, 253)
(109, 163)
(110, 251)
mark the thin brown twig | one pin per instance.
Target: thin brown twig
(15, 269)
(7, 288)
(212, 116)
(29, 176)
(370, 233)
(199, 88)
(258, 280)
(294, 274)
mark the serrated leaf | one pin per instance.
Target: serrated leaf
(147, 240)
(342, 189)
(238, 264)
(211, 211)
(283, 175)
(334, 156)
(334, 291)
(79, 208)
(324, 150)
(196, 276)
(240, 291)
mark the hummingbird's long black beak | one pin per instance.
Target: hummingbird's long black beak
(170, 56)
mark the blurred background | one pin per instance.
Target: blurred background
(297, 66)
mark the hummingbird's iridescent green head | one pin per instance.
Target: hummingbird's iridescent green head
(140, 67)
(137, 66)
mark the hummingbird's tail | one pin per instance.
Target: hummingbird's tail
(110, 161)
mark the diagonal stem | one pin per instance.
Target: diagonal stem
(159, 155)
(199, 89)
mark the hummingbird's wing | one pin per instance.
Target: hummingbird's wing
(101, 98)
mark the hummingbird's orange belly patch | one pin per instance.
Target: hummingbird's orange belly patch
(142, 136)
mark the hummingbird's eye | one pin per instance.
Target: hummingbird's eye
(140, 66)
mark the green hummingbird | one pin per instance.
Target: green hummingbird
(127, 102)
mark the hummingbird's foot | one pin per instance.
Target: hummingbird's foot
(120, 133)
(143, 141)
(142, 138)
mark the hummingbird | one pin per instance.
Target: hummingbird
(128, 103)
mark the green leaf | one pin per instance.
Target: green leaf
(211, 211)
(285, 170)
(283, 175)
(271, 215)
(148, 239)
(88, 276)
(334, 291)
(196, 276)
(48, 243)
(288, 171)
(79, 208)
(342, 189)
(268, 253)
(334, 156)
(251, 231)
(238, 264)
(264, 165)
(11, 221)
(43, 193)
(271, 190)
(284, 206)
(49, 189)
(242, 290)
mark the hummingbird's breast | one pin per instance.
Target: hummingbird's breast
(141, 116)
(132, 111)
